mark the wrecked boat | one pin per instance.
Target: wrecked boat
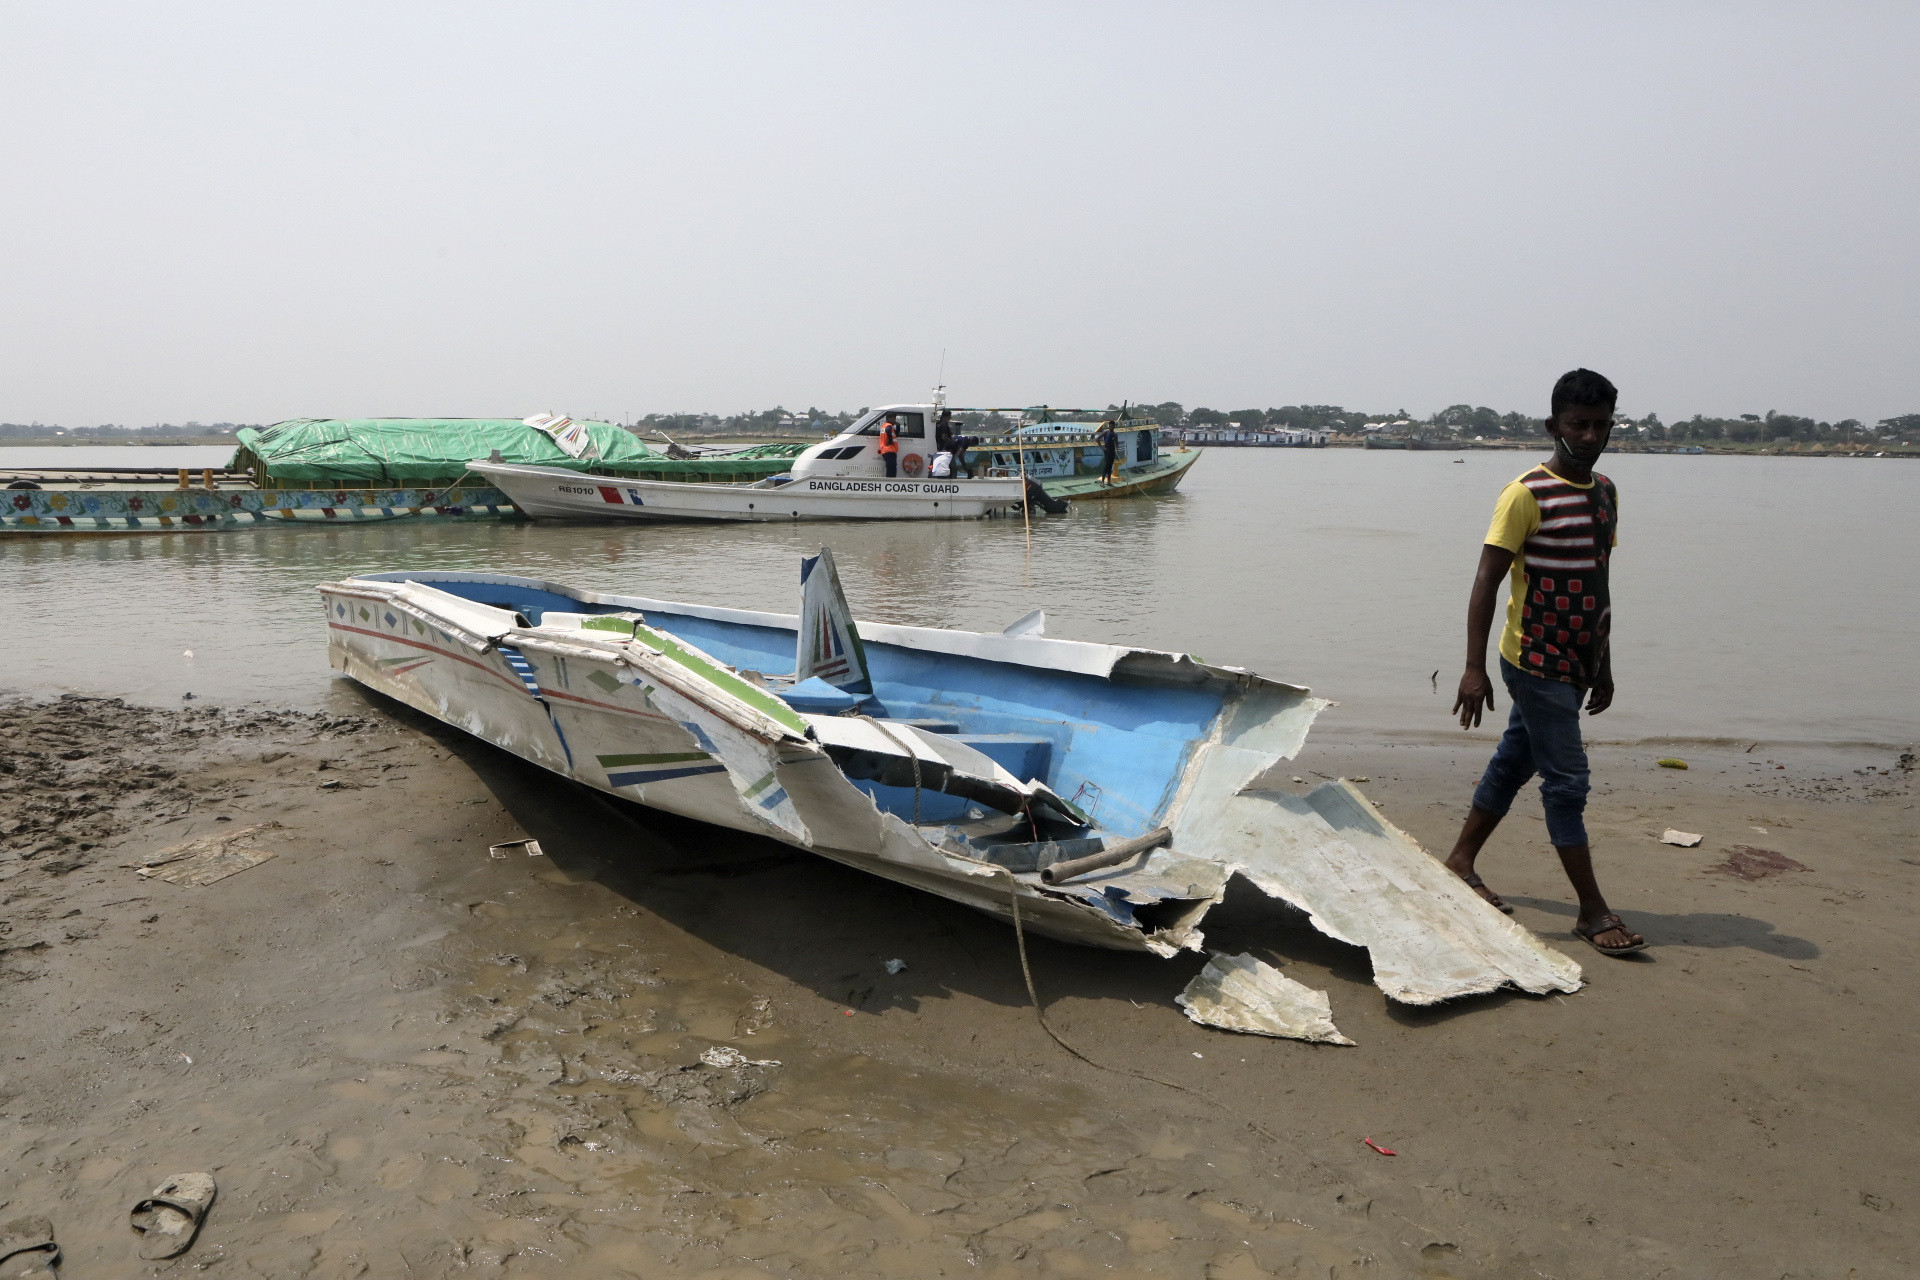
(1112, 791)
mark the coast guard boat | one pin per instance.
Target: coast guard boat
(1036, 459)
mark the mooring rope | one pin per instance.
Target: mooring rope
(911, 755)
(1026, 972)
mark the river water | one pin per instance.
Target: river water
(1758, 598)
(54, 457)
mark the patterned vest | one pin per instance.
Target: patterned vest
(1567, 615)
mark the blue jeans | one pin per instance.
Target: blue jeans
(1543, 737)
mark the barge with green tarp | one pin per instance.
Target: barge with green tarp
(321, 470)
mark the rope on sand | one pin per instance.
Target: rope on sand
(1026, 972)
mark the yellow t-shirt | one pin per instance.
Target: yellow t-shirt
(1516, 517)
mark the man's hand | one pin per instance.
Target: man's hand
(1476, 692)
(1600, 697)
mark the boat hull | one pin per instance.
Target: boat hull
(204, 510)
(669, 705)
(597, 731)
(546, 493)
(1163, 475)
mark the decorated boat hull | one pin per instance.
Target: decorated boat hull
(203, 510)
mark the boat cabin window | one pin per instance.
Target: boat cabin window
(911, 426)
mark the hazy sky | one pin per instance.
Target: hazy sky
(253, 211)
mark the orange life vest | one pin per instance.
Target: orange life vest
(889, 439)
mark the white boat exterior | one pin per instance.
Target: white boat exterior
(668, 705)
(549, 493)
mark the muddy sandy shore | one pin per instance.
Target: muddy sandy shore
(402, 1056)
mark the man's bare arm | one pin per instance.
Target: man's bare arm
(1476, 689)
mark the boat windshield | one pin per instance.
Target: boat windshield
(912, 425)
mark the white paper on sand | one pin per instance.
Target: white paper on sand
(1685, 839)
(199, 863)
(1239, 993)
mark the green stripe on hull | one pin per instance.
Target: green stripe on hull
(659, 757)
(759, 699)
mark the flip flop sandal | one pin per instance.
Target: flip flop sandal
(1606, 924)
(27, 1250)
(170, 1218)
(1473, 881)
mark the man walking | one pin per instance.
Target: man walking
(1553, 534)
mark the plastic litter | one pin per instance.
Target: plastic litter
(1377, 1147)
(1240, 993)
(895, 966)
(725, 1057)
(1684, 839)
(201, 862)
(532, 848)
(1671, 762)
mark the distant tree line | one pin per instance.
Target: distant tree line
(1460, 420)
(1773, 426)
(111, 431)
(751, 422)
(1464, 420)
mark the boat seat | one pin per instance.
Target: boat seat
(814, 696)
(1024, 756)
(931, 724)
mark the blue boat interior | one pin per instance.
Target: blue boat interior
(1114, 749)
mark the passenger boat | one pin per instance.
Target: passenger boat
(340, 470)
(1105, 792)
(845, 478)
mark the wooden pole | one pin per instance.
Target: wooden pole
(1113, 855)
(1026, 499)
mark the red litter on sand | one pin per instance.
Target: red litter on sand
(1377, 1147)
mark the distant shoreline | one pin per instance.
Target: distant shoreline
(1720, 448)
(1535, 446)
(108, 442)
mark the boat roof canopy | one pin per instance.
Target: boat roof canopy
(1033, 417)
(376, 449)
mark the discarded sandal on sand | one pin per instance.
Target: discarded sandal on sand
(1474, 882)
(27, 1250)
(1607, 924)
(169, 1219)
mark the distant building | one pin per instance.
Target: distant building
(1285, 438)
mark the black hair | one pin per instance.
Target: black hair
(1583, 387)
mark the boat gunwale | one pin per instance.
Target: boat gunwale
(1081, 657)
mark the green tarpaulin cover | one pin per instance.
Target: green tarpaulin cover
(415, 449)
